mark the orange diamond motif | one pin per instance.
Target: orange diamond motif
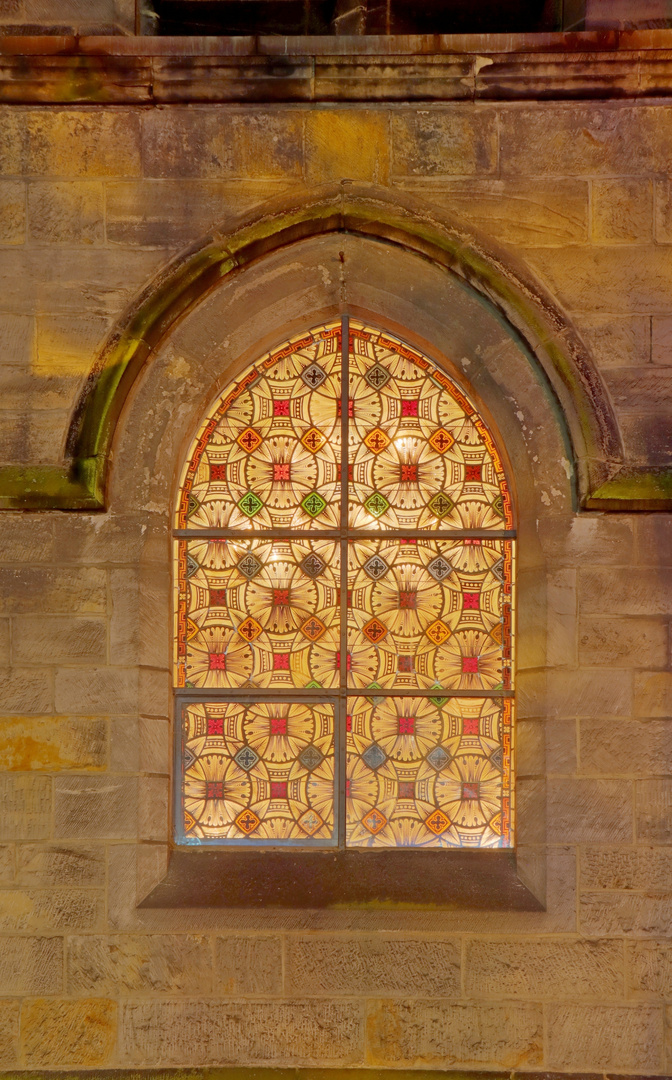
(310, 822)
(376, 440)
(313, 440)
(374, 821)
(496, 824)
(437, 822)
(189, 821)
(438, 632)
(375, 630)
(441, 440)
(249, 439)
(497, 633)
(250, 629)
(247, 821)
(192, 629)
(313, 628)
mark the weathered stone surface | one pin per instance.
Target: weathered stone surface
(126, 639)
(561, 737)
(610, 691)
(654, 810)
(25, 804)
(31, 965)
(69, 142)
(549, 969)
(626, 913)
(9, 1033)
(442, 1034)
(95, 806)
(652, 694)
(452, 141)
(60, 864)
(639, 389)
(561, 618)
(53, 909)
(654, 540)
(53, 743)
(153, 807)
(635, 592)
(649, 969)
(599, 278)
(157, 963)
(613, 747)
(605, 1037)
(16, 344)
(582, 540)
(67, 345)
(315, 1032)
(59, 1034)
(617, 341)
(585, 811)
(646, 437)
(7, 863)
(25, 690)
(622, 211)
(64, 640)
(208, 142)
(661, 339)
(66, 212)
(43, 589)
(12, 212)
(358, 966)
(341, 143)
(112, 690)
(249, 965)
(623, 643)
(646, 868)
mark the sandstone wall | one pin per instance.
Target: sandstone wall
(93, 202)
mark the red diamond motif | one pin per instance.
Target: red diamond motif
(281, 470)
(215, 725)
(278, 725)
(470, 601)
(281, 407)
(214, 789)
(216, 661)
(281, 661)
(278, 789)
(469, 665)
(406, 725)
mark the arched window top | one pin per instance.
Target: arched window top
(343, 644)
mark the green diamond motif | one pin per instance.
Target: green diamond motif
(441, 505)
(313, 685)
(313, 504)
(376, 504)
(438, 701)
(250, 504)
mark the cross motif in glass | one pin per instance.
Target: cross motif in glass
(313, 376)
(376, 567)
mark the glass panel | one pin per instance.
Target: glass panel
(258, 613)
(420, 456)
(268, 455)
(257, 773)
(431, 614)
(425, 772)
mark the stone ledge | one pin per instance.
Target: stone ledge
(252, 1073)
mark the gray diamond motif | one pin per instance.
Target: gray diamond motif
(249, 565)
(192, 565)
(246, 758)
(373, 756)
(313, 376)
(189, 758)
(497, 757)
(438, 757)
(376, 567)
(310, 758)
(439, 568)
(312, 565)
(498, 569)
(377, 376)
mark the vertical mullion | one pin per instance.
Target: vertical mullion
(343, 681)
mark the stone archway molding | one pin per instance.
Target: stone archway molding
(602, 479)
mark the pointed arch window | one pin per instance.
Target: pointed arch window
(344, 619)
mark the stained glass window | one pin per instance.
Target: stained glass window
(344, 622)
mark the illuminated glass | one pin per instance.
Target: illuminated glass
(344, 659)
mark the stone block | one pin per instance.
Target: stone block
(623, 643)
(646, 437)
(561, 746)
(71, 142)
(653, 695)
(25, 690)
(25, 806)
(626, 914)
(16, 344)
(661, 339)
(32, 438)
(31, 965)
(4, 642)
(599, 279)
(153, 807)
(654, 540)
(67, 345)
(561, 650)
(95, 539)
(596, 1037)
(33, 911)
(7, 863)
(147, 963)
(63, 640)
(102, 807)
(654, 810)
(160, 1033)
(646, 868)
(47, 590)
(209, 142)
(249, 965)
(589, 811)
(451, 141)
(154, 693)
(622, 211)
(9, 1033)
(52, 743)
(582, 693)
(663, 211)
(60, 864)
(155, 745)
(617, 341)
(649, 969)
(124, 745)
(590, 539)
(62, 1034)
(12, 212)
(126, 642)
(579, 140)
(617, 747)
(66, 212)
(631, 592)
(85, 690)
(536, 969)
(360, 966)
(639, 389)
(346, 144)
(442, 1034)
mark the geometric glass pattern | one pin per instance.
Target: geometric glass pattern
(344, 656)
